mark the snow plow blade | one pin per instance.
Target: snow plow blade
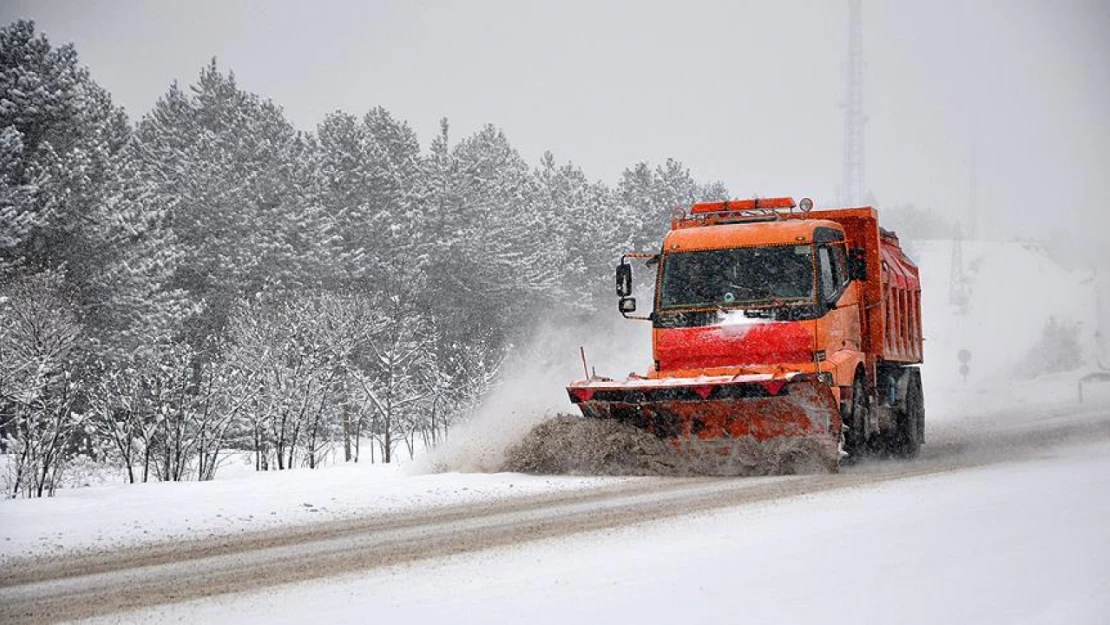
(742, 425)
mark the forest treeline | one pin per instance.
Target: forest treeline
(209, 278)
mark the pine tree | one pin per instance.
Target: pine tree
(505, 263)
(240, 179)
(638, 207)
(647, 196)
(582, 223)
(132, 306)
(59, 133)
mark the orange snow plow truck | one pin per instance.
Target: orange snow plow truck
(782, 337)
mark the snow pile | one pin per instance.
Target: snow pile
(575, 445)
(572, 445)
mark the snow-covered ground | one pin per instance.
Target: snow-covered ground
(1025, 542)
(120, 515)
(1014, 290)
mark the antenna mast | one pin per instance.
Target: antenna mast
(852, 185)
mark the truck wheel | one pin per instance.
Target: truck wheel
(855, 435)
(911, 420)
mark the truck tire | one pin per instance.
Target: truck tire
(854, 420)
(910, 432)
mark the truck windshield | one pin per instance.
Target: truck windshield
(739, 277)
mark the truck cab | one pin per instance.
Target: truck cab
(754, 296)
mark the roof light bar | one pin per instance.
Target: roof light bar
(728, 206)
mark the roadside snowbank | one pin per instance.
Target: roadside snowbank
(107, 517)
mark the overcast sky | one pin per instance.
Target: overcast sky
(744, 92)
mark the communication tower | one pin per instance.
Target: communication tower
(851, 188)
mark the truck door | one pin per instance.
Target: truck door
(840, 326)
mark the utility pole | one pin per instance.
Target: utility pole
(852, 189)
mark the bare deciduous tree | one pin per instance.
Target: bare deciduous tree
(39, 360)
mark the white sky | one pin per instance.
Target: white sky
(744, 92)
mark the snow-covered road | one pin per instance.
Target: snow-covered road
(975, 522)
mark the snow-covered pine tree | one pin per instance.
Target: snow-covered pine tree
(505, 265)
(59, 133)
(586, 224)
(136, 257)
(245, 215)
(638, 208)
(342, 186)
(647, 196)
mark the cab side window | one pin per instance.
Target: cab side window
(829, 284)
(839, 265)
(833, 266)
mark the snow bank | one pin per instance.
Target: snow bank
(107, 517)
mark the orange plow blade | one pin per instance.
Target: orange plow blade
(753, 424)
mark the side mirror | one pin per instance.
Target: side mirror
(857, 264)
(624, 280)
(627, 304)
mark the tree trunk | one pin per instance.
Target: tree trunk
(346, 433)
(358, 436)
(146, 462)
